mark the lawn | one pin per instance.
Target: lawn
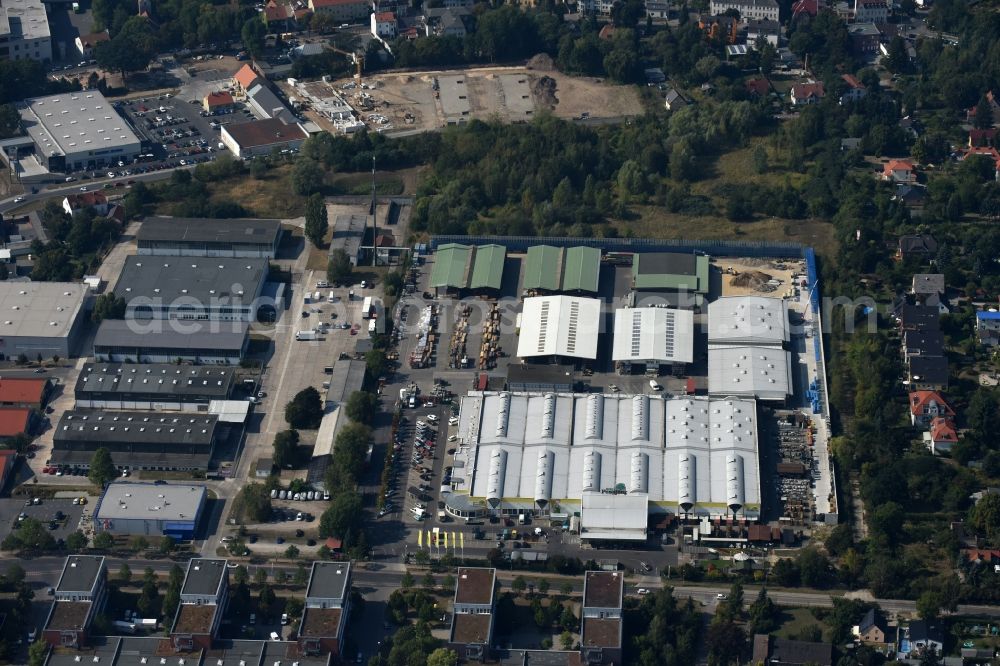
(793, 621)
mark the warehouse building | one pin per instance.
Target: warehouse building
(78, 130)
(156, 386)
(462, 268)
(150, 510)
(124, 341)
(200, 237)
(262, 137)
(201, 289)
(549, 269)
(653, 337)
(522, 452)
(764, 373)
(136, 440)
(41, 318)
(742, 321)
(559, 327)
(746, 336)
(671, 272)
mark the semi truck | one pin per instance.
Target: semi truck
(366, 308)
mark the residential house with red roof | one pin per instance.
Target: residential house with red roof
(925, 406)
(970, 114)
(854, 92)
(277, 16)
(804, 9)
(74, 203)
(85, 44)
(245, 79)
(982, 138)
(758, 86)
(807, 93)
(941, 436)
(384, 25)
(217, 101)
(899, 171)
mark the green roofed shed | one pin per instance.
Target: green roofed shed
(581, 269)
(673, 271)
(451, 266)
(543, 268)
(487, 268)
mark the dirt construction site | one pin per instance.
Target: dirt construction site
(415, 101)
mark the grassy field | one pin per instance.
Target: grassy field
(793, 621)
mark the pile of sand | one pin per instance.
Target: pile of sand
(544, 90)
(755, 280)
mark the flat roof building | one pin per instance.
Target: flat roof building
(41, 318)
(192, 288)
(156, 342)
(201, 237)
(670, 271)
(601, 617)
(327, 607)
(153, 386)
(203, 599)
(567, 269)
(742, 321)
(653, 337)
(24, 31)
(261, 137)
(521, 452)
(79, 596)
(468, 267)
(559, 326)
(534, 378)
(145, 508)
(77, 130)
(136, 440)
(472, 612)
(764, 373)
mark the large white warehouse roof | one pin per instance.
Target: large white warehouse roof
(654, 334)
(750, 372)
(748, 320)
(559, 325)
(527, 450)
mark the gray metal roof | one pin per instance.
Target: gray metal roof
(75, 122)
(654, 334)
(196, 280)
(133, 427)
(748, 320)
(201, 230)
(39, 309)
(204, 576)
(145, 501)
(221, 336)
(160, 379)
(348, 376)
(79, 573)
(760, 372)
(329, 580)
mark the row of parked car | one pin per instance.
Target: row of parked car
(309, 495)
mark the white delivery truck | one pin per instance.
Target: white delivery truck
(332, 298)
(366, 308)
(306, 335)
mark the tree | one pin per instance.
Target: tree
(762, 615)
(254, 501)
(785, 573)
(292, 552)
(343, 515)
(138, 543)
(147, 599)
(104, 541)
(260, 576)
(316, 219)
(108, 306)
(285, 443)
(725, 639)
(375, 363)
(984, 517)
(428, 582)
(167, 545)
(760, 158)
(265, 599)
(301, 576)
(307, 177)
(76, 541)
(15, 575)
(305, 410)
(566, 640)
(37, 653)
(338, 270)
(280, 577)
(814, 567)
(955, 210)
(566, 588)
(241, 576)
(543, 586)
(252, 34)
(102, 470)
(519, 584)
(361, 407)
(130, 50)
(984, 114)
(929, 605)
(448, 582)
(442, 657)
(125, 573)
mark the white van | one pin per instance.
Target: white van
(654, 386)
(332, 298)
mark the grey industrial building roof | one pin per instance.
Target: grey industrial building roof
(146, 501)
(221, 336)
(204, 576)
(75, 122)
(761, 372)
(39, 309)
(654, 334)
(202, 230)
(347, 377)
(748, 320)
(329, 580)
(162, 379)
(24, 19)
(129, 427)
(197, 280)
(79, 573)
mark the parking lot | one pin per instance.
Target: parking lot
(45, 511)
